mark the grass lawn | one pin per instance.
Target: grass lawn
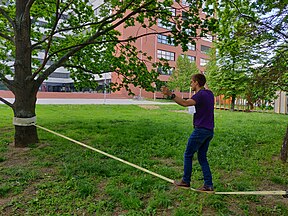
(58, 177)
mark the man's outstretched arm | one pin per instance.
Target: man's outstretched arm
(178, 100)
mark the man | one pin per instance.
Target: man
(203, 132)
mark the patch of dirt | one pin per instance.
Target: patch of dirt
(270, 186)
(165, 161)
(149, 107)
(268, 201)
(208, 211)
(6, 130)
(180, 111)
(15, 156)
(20, 157)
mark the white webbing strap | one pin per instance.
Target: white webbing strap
(24, 121)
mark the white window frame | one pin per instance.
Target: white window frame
(165, 55)
(191, 58)
(206, 50)
(207, 37)
(184, 2)
(203, 61)
(169, 72)
(191, 46)
(161, 25)
(173, 11)
(163, 39)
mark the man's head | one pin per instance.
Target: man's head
(197, 80)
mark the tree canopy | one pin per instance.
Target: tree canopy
(251, 49)
(37, 37)
(85, 40)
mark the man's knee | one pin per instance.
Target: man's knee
(202, 160)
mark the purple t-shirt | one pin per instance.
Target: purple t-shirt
(204, 116)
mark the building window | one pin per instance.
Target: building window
(205, 49)
(166, 55)
(184, 2)
(166, 25)
(207, 37)
(191, 58)
(60, 75)
(173, 11)
(167, 72)
(191, 46)
(203, 62)
(164, 39)
(184, 15)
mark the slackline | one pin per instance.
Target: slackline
(283, 193)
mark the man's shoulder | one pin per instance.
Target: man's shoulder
(206, 92)
(209, 92)
(203, 94)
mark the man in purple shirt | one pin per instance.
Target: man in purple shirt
(203, 132)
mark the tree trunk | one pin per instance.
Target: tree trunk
(24, 107)
(232, 108)
(25, 88)
(284, 149)
(250, 105)
(25, 136)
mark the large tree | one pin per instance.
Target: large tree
(70, 34)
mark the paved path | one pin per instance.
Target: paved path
(81, 98)
(93, 101)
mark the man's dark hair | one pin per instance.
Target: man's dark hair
(200, 78)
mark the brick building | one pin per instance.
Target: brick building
(157, 46)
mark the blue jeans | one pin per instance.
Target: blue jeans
(198, 142)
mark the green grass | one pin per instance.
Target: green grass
(58, 177)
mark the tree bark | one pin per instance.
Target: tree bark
(232, 108)
(25, 136)
(284, 149)
(24, 107)
(25, 88)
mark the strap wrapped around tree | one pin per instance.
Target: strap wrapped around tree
(284, 149)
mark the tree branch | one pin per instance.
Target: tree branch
(7, 37)
(45, 59)
(53, 32)
(5, 14)
(53, 67)
(259, 22)
(29, 5)
(91, 40)
(108, 41)
(105, 20)
(7, 82)
(264, 24)
(6, 102)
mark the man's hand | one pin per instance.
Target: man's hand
(166, 91)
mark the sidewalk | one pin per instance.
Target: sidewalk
(93, 101)
(70, 95)
(81, 98)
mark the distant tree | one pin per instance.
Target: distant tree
(250, 35)
(226, 71)
(181, 76)
(72, 35)
(278, 68)
(261, 26)
(212, 72)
